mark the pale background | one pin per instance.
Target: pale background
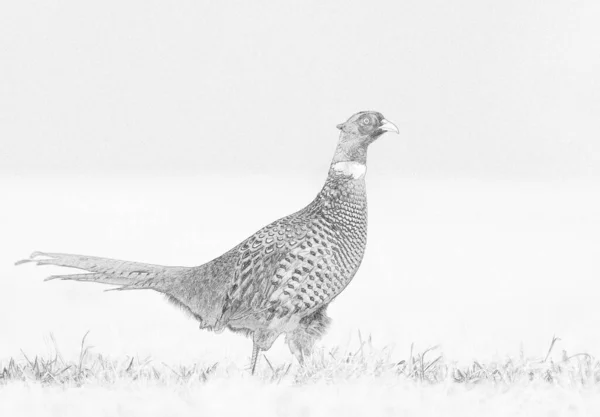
(167, 132)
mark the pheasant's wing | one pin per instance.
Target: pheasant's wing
(304, 281)
(288, 267)
(257, 260)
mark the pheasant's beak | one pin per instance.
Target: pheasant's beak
(388, 126)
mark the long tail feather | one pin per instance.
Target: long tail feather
(130, 275)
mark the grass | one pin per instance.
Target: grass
(329, 366)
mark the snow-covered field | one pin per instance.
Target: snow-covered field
(243, 396)
(364, 381)
(488, 271)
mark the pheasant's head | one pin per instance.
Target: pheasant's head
(358, 133)
(367, 125)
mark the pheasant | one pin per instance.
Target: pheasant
(281, 279)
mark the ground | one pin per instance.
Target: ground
(362, 381)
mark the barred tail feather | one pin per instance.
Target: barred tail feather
(130, 275)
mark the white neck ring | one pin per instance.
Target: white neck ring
(352, 169)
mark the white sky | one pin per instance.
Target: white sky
(505, 89)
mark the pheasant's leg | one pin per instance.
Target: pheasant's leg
(255, 352)
(262, 339)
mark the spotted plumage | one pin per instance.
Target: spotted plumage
(281, 279)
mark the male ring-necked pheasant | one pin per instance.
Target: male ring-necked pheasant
(282, 278)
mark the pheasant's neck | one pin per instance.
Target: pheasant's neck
(343, 197)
